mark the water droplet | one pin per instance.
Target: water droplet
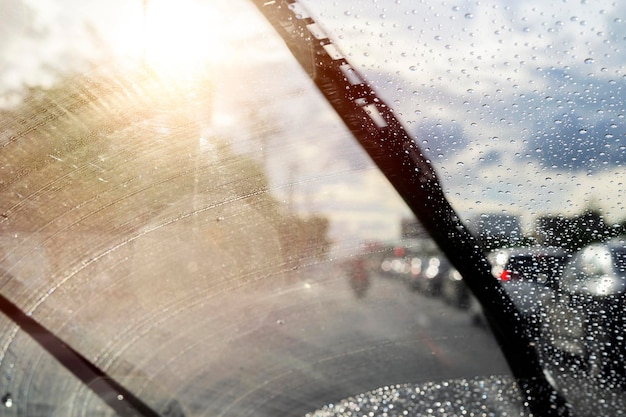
(413, 68)
(589, 61)
(469, 15)
(7, 400)
(582, 131)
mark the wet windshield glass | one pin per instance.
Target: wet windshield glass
(620, 263)
(182, 206)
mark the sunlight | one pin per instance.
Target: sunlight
(182, 38)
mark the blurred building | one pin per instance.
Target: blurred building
(575, 232)
(412, 229)
(497, 229)
(552, 230)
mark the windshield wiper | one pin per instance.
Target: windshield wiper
(400, 159)
(121, 400)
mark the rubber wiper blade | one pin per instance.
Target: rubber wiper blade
(121, 400)
(401, 160)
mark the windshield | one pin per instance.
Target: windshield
(620, 263)
(188, 206)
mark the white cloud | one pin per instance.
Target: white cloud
(493, 75)
(476, 81)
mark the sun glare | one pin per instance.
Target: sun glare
(182, 37)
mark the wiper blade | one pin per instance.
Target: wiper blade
(400, 159)
(121, 400)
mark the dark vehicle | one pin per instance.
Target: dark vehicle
(454, 291)
(184, 184)
(396, 262)
(585, 317)
(528, 274)
(431, 276)
(536, 264)
(403, 260)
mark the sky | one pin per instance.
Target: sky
(519, 105)
(523, 99)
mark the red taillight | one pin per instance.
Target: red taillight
(505, 275)
(398, 251)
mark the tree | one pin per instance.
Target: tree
(576, 232)
(114, 174)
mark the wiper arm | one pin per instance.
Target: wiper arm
(121, 400)
(400, 159)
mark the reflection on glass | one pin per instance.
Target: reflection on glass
(181, 206)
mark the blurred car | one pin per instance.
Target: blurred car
(431, 275)
(454, 291)
(528, 274)
(584, 318)
(537, 264)
(404, 259)
(395, 262)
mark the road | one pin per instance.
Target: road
(286, 346)
(314, 342)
